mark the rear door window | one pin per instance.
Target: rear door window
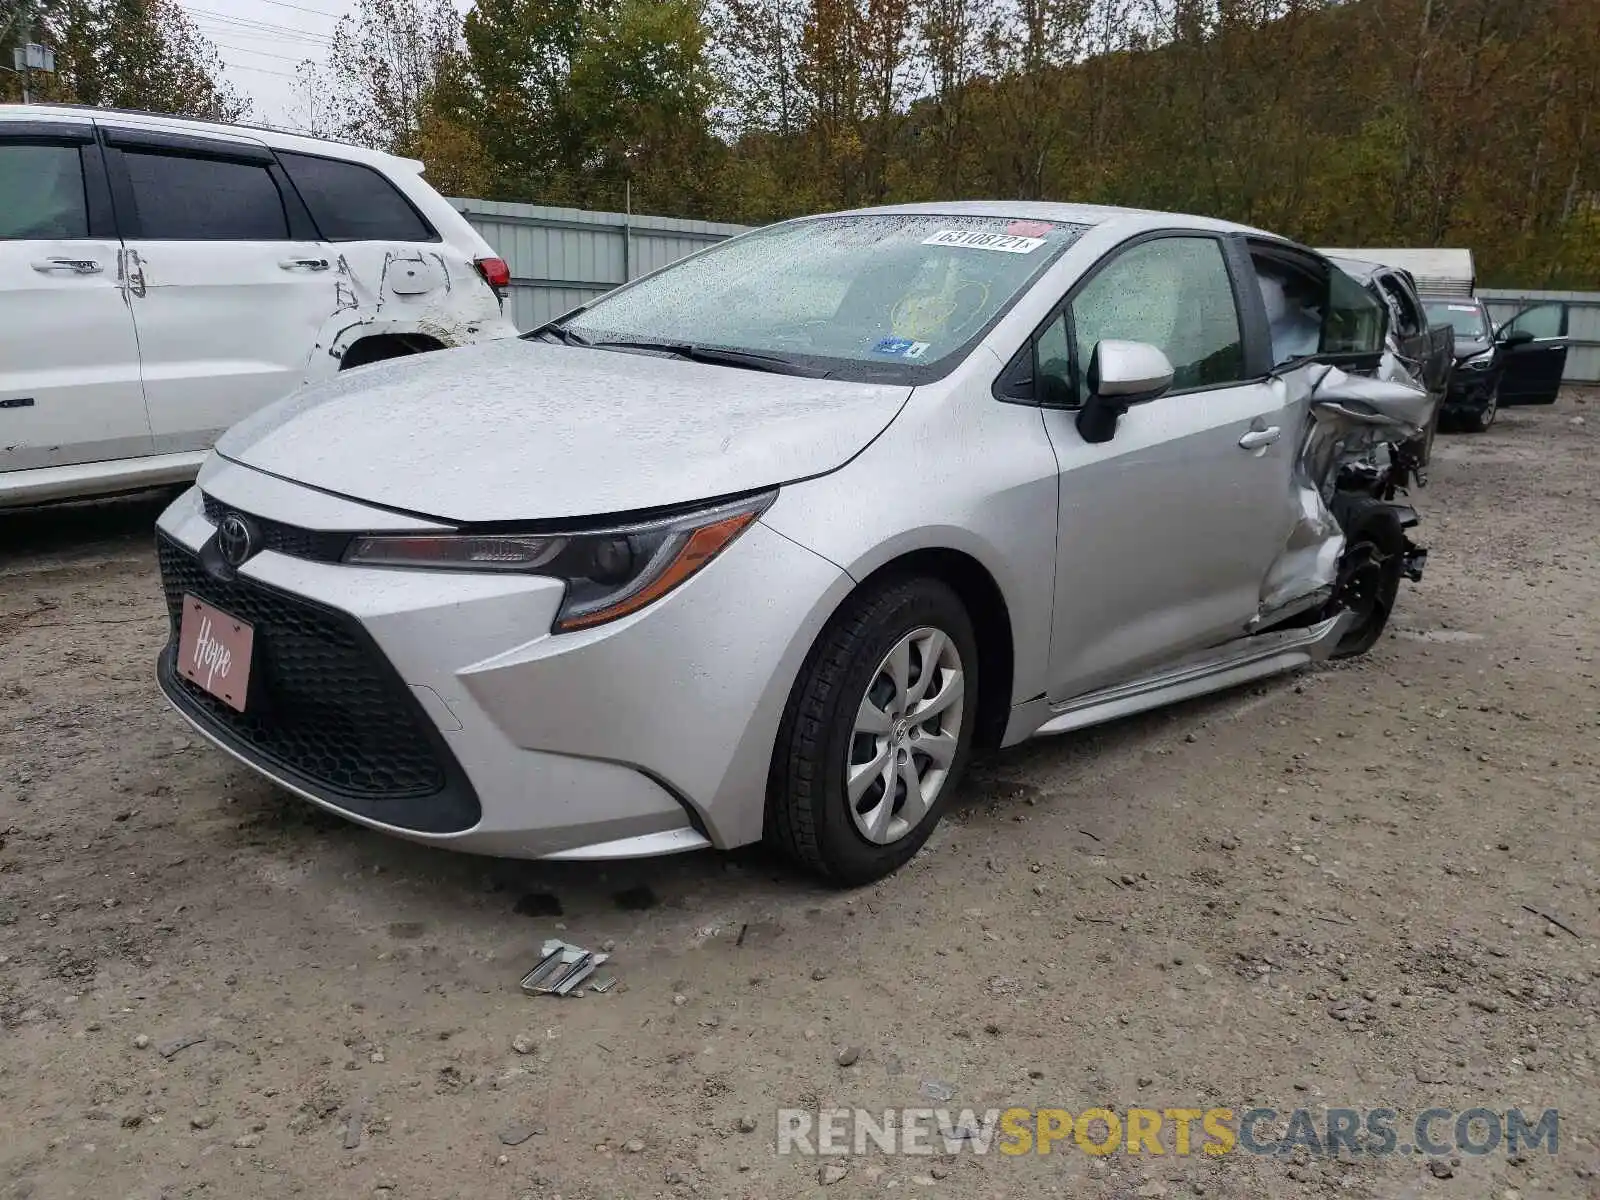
(1353, 323)
(41, 193)
(1315, 310)
(353, 203)
(181, 197)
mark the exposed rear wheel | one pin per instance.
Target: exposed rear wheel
(1369, 573)
(876, 732)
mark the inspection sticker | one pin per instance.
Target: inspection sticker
(1471, 308)
(900, 347)
(975, 239)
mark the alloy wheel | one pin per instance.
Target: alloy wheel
(907, 729)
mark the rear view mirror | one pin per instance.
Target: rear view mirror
(1515, 337)
(1120, 374)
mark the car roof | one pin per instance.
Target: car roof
(277, 138)
(1358, 268)
(1065, 213)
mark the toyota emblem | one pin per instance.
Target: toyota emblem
(236, 539)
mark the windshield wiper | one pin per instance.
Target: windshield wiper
(560, 332)
(750, 360)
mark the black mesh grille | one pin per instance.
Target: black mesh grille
(285, 539)
(325, 709)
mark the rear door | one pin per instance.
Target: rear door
(1531, 372)
(69, 361)
(229, 284)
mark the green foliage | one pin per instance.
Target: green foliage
(1339, 122)
(129, 54)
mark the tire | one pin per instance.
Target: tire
(810, 817)
(1370, 571)
(1479, 420)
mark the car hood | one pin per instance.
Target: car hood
(516, 430)
(1470, 347)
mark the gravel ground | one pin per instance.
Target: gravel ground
(1320, 892)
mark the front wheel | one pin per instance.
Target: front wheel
(876, 733)
(1481, 419)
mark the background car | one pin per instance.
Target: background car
(161, 279)
(1519, 363)
(762, 544)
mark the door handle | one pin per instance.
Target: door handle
(304, 264)
(75, 266)
(1258, 439)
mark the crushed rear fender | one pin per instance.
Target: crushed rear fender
(1350, 419)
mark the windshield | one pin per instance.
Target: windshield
(1467, 318)
(880, 296)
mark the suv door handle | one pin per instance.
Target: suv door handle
(76, 266)
(1257, 439)
(304, 264)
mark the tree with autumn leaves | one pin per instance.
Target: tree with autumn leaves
(123, 54)
(1340, 122)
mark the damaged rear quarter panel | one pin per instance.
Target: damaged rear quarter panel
(387, 288)
(1348, 417)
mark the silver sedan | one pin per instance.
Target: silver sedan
(762, 545)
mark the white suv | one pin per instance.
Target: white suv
(160, 279)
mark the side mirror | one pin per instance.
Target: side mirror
(1515, 337)
(1120, 374)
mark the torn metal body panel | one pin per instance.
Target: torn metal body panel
(1355, 440)
(401, 292)
(561, 968)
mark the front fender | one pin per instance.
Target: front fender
(984, 485)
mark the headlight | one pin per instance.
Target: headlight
(1481, 363)
(609, 572)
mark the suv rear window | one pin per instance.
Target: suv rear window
(182, 198)
(41, 193)
(353, 203)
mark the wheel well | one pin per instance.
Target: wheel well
(387, 345)
(991, 624)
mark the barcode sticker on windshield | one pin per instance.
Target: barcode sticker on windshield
(1463, 308)
(974, 239)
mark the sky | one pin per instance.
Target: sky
(263, 41)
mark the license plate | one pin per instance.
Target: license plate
(214, 651)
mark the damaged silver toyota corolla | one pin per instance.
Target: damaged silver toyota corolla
(762, 544)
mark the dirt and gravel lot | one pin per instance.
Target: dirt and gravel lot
(1311, 893)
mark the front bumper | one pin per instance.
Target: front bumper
(1470, 391)
(448, 714)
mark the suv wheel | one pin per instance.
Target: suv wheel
(1480, 419)
(876, 733)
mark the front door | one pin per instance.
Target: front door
(69, 361)
(1167, 531)
(229, 285)
(1531, 371)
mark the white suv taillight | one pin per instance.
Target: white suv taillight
(496, 273)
